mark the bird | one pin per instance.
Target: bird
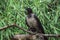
(33, 22)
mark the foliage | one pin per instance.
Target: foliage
(12, 11)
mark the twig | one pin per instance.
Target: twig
(5, 27)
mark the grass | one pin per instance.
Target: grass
(14, 9)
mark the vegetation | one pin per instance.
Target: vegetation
(13, 11)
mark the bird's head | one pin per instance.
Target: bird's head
(28, 10)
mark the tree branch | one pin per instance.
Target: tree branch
(49, 35)
(5, 27)
(14, 25)
(31, 37)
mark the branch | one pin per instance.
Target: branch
(23, 37)
(25, 30)
(49, 35)
(5, 27)
(31, 37)
(14, 25)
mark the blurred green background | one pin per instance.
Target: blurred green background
(11, 11)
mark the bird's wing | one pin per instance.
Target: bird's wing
(38, 21)
(39, 24)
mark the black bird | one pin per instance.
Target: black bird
(33, 22)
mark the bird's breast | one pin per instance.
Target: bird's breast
(32, 22)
